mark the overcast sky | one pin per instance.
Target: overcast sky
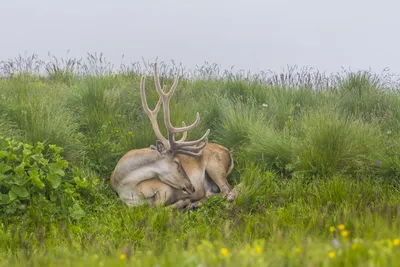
(252, 35)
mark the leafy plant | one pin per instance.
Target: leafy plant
(32, 174)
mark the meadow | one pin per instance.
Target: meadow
(317, 166)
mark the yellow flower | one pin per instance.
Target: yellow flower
(396, 242)
(345, 233)
(341, 227)
(224, 251)
(354, 246)
(122, 256)
(331, 254)
(332, 229)
(298, 250)
(258, 249)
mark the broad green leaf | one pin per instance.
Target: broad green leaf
(63, 163)
(28, 146)
(56, 149)
(4, 199)
(12, 196)
(26, 152)
(80, 182)
(39, 148)
(55, 168)
(20, 169)
(55, 180)
(4, 167)
(39, 158)
(11, 157)
(36, 179)
(19, 191)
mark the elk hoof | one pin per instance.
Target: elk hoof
(194, 205)
(231, 196)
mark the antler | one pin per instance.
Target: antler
(152, 114)
(190, 148)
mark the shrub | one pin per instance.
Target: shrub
(36, 175)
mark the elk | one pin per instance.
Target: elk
(178, 173)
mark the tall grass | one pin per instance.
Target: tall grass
(329, 144)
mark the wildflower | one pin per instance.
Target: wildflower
(224, 251)
(122, 256)
(332, 229)
(345, 233)
(396, 242)
(331, 255)
(341, 227)
(258, 249)
(298, 250)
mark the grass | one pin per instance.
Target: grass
(316, 167)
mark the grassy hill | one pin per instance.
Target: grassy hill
(316, 160)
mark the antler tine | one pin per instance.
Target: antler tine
(194, 148)
(191, 154)
(152, 114)
(184, 136)
(204, 138)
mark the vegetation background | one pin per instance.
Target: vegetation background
(316, 161)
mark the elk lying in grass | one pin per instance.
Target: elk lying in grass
(181, 173)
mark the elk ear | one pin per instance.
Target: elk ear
(160, 147)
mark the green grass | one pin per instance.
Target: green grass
(311, 152)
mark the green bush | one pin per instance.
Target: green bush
(37, 176)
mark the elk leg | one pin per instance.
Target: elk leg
(180, 204)
(197, 203)
(219, 178)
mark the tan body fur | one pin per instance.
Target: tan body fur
(207, 173)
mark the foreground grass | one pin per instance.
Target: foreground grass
(328, 222)
(316, 165)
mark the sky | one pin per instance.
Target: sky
(250, 35)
